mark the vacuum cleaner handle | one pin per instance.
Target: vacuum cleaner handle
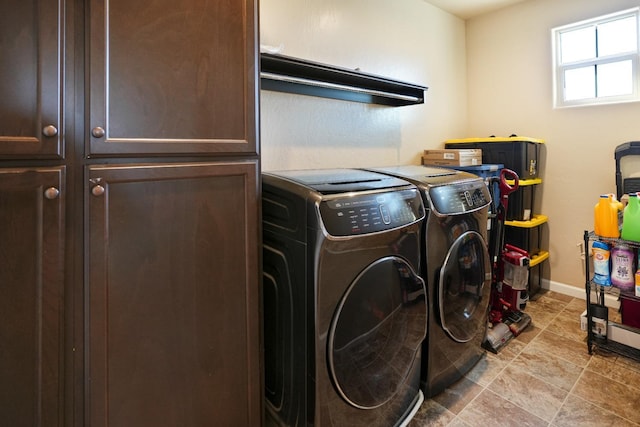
(505, 187)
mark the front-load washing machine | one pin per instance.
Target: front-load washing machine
(457, 269)
(344, 305)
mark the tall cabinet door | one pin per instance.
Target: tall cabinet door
(31, 296)
(172, 76)
(30, 79)
(173, 296)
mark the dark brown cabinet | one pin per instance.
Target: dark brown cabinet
(129, 219)
(31, 295)
(171, 316)
(30, 87)
(172, 77)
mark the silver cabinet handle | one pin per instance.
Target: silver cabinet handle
(51, 193)
(97, 132)
(50, 130)
(97, 190)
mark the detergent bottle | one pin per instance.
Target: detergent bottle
(601, 263)
(631, 219)
(637, 277)
(606, 216)
(623, 268)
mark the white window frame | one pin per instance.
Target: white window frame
(560, 68)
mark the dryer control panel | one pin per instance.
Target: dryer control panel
(371, 212)
(460, 197)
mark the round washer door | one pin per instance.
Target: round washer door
(376, 332)
(464, 287)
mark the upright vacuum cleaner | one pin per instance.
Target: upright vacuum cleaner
(510, 275)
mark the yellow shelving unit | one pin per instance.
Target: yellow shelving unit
(528, 236)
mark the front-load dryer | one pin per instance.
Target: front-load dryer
(344, 305)
(457, 269)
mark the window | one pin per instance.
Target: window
(596, 61)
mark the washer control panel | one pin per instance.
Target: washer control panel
(369, 213)
(460, 197)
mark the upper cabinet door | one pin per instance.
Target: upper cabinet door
(30, 79)
(172, 77)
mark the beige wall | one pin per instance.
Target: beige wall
(407, 40)
(510, 91)
(490, 75)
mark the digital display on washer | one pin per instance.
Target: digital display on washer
(460, 197)
(368, 213)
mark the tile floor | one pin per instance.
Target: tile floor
(544, 377)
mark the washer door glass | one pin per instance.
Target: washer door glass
(464, 287)
(376, 332)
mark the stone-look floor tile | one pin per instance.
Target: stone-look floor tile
(538, 397)
(611, 395)
(432, 414)
(511, 350)
(455, 397)
(567, 326)
(544, 310)
(617, 368)
(534, 307)
(548, 367)
(578, 412)
(489, 409)
(567, 349)
(529, 333)
(558, 296)
(457, 422)
(575, 307)
(540, 316)
(541, 293)
(545, 294)
(600, 353)
(551, 356)
(634, 365)
(554, 302)
(487, 368)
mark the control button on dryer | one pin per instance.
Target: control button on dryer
(386, 217)
(468, 198)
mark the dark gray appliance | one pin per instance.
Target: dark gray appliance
(344, 305)
(456, 267)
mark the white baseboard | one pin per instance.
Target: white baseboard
(575, 292)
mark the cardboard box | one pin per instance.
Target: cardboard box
(453, 157)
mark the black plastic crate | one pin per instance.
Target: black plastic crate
(520, 154)
(523, 238)
(520, 204)
(629, 153)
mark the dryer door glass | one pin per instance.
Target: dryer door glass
(464, 287)
(376, 333)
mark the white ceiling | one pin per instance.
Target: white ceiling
(466, 9)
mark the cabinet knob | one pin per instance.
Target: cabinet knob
(97, 132)
(51, 193)
(50, 130)
(97, 190)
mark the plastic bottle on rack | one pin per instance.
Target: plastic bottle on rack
(606, 216)
(601, 260)
(638, 277)
(631, 219)
(623, 268)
